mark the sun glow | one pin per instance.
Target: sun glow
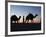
(34, 21)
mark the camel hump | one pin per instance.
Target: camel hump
(13, 16)
(30, 15)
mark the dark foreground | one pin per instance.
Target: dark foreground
(25, 27)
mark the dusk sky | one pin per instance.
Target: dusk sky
(19, 10)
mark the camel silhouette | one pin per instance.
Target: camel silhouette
(15, 19)
(30, 17)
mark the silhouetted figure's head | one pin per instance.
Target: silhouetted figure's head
(19, 17)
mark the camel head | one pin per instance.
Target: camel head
(35, 15)
(19, 17)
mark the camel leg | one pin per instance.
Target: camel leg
(17, 21)
(27, 21)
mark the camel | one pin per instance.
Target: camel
(15, 19)
(30, 17)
